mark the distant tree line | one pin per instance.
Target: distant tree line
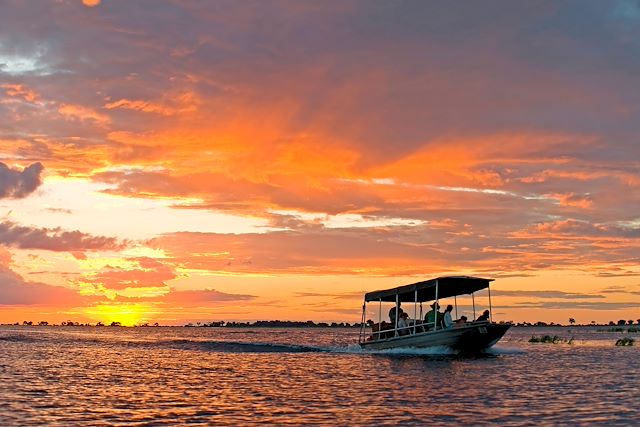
(303, 324)
(72, 323)
(274, 324)
(572, 322)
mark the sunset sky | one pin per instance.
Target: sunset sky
(183, 161)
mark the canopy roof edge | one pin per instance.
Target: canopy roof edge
(448, 286)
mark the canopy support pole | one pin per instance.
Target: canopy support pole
(380, 320)
(490, 309)
(473, 298)
(415, 311)
(362, 325)
(455, 301)
(435, 310)
(395, 326)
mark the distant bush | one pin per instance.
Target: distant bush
(625, 342)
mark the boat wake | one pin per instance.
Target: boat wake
(241, 347)
(222, 346)
(398, 351)
(500, 350)
(246, 347)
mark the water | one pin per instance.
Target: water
(222, 376)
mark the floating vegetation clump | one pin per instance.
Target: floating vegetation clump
(546, 339)
(625, 342)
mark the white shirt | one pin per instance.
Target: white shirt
(448, 322)
(403, 323)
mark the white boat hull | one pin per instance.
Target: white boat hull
(471, 338)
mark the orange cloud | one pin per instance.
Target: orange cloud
(203, 297)
(462, 161)
(149, 274)
(16, 291)
(79, 112)
(625, 177)
(573, 200)
(182, 103)
(20, 91)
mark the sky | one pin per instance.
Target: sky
(191, 161)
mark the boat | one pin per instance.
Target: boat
(472, 336)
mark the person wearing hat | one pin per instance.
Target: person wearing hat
(433, 316)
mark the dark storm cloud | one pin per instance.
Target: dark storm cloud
(19, 184)
(54, 239)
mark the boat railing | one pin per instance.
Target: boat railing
(398, 331)
(418, 327)
(389, 330)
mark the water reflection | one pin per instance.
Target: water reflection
(79, 376)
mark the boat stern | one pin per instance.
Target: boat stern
(480, 337)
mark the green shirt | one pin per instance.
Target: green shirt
(431, 316)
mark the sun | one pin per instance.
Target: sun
(91, 3)
(126, 314)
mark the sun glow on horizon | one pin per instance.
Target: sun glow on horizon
(127, 314)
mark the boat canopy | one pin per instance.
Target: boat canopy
(447, 287)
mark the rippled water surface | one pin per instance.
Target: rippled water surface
(224, 376)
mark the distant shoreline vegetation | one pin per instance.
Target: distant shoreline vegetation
(275, 324)
(619, 326)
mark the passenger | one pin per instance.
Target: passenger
(447, 320)
(404, 322)
(392, 314)
(483, 317)
(460, 322)
(379, 330)
(433, 315)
